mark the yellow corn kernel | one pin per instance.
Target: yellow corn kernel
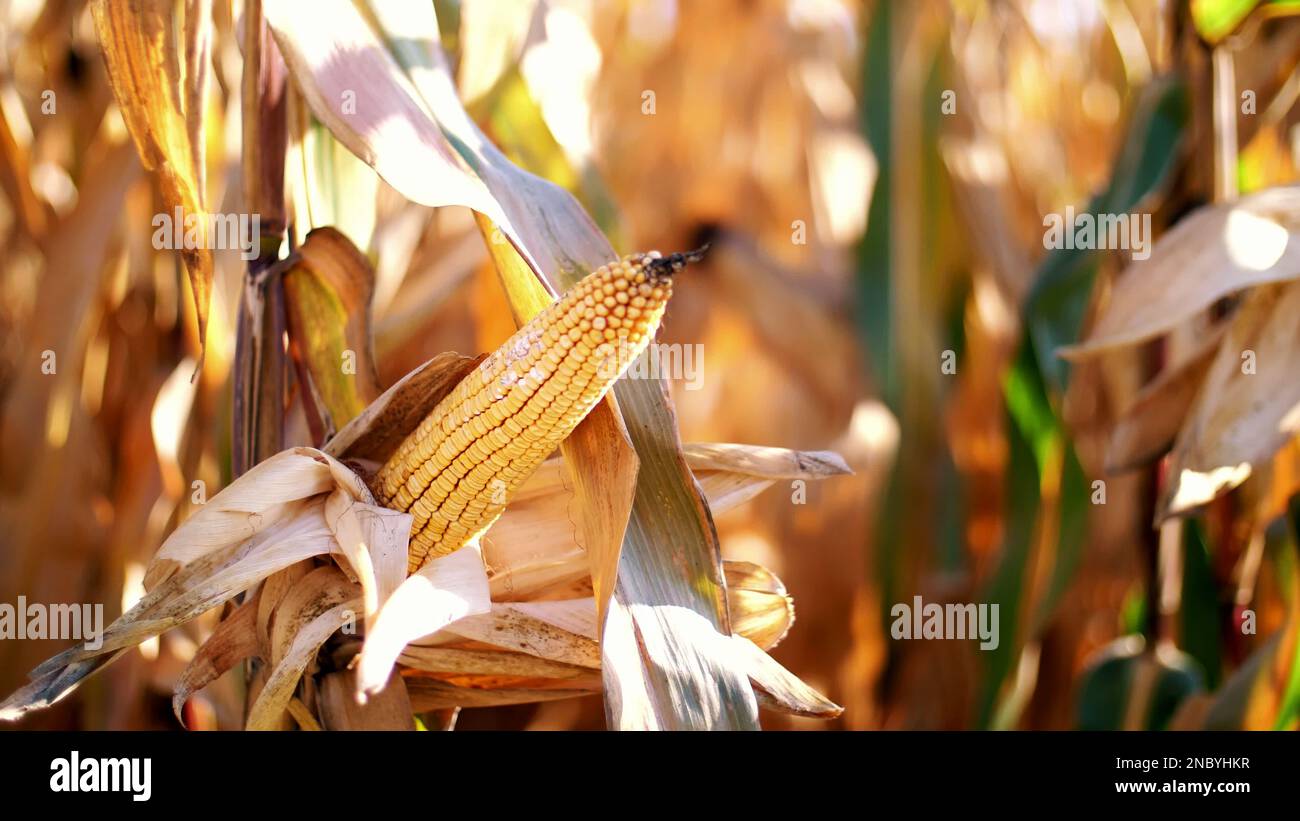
(460, 466)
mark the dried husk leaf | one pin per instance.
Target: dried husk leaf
(432, 694)
(552, 630)
(390, 709)
(373, 540)
(209, 581)
(563, 631)
(488, 662)
(446, 590)
(537, 542)
(234, 640)
(761, 610)
(269, 596)
(272, 493)
(263, 522)
(302, 716)
(320, 590)
(268, 711)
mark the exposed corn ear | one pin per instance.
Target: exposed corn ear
(458, 469)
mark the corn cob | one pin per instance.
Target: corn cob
(458, 469)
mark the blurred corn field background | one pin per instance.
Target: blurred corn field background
(1101, 444)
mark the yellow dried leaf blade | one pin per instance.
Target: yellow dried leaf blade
(328, 296)
(158, 68)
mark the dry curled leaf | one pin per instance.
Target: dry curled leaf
(158, 55)
(1248, 407)
(1212, 253)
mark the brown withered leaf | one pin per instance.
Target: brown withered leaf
(268, 710)
(1210, 254)
(276, 586)
(1248, 407)
(339, 710)
(487, 662)
(318, 591)
(433, 694)
(308, 614)
(234, 640)
(1146, 430)
(158, 58)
